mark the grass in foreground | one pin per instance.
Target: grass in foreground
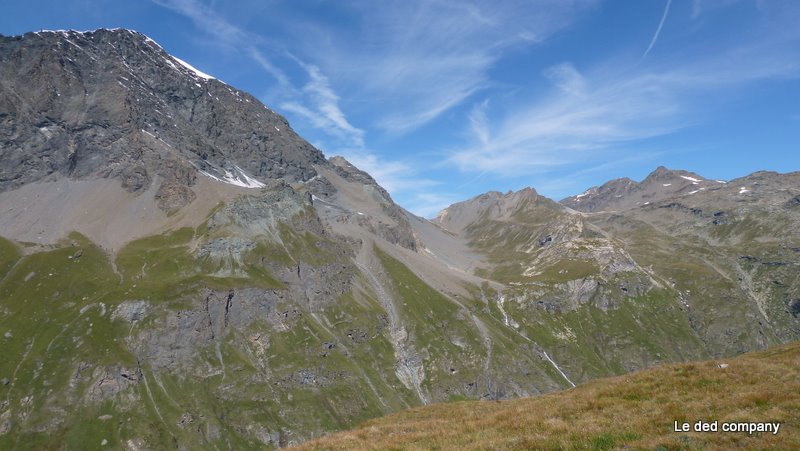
(632, 411)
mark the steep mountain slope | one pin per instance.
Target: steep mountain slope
(76, 108)
(758, 387)
(114, 104)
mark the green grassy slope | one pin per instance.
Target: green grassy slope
(634, 411)
(76, 374)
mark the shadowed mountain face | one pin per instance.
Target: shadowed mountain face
(179, 268)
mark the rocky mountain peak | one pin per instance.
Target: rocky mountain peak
(662, 174)
(660, 171)
(492, 204)
(617, 185)
(114, 104)
(349, 172)
(528, 192)
(624, 193)
(593, 198)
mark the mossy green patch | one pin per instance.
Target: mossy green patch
(54, 316)
(9, 255)
(565, 270)
(157, 267)
(306, 246)
(640, 331)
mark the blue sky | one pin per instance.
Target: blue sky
(441, 100)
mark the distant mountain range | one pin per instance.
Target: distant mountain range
(180, 268)
(624, 193)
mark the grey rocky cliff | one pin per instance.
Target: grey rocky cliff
(113, 103)
(283, 220)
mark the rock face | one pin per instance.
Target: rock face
(349, 172)
(112, 103)
(254, 294)
(399, 232)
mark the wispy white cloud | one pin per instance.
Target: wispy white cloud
(204, 18)
(429, 204)
(395, 176)
(479, 123)
(658, 30)
(270, 68)
(234, 37)
(419, 88)
(579, 117)
(700, 7)
(587, 115)
(422, 58)
(326, 114)
(565, 77)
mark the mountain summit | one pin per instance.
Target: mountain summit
(98, 118)
(113, 103)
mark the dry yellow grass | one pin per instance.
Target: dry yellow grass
(633, 411)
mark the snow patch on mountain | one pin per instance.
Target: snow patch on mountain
(197, 72)
(235, 176)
